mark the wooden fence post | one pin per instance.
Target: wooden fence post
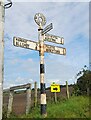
(10, 104)
(55, 97)
(28, 101)
(67, 90)
(35, 94)
(88, 91)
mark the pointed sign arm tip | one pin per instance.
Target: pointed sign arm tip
(8, 5)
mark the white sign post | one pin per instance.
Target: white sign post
(1, 54)
(41, 47)
(2, 18)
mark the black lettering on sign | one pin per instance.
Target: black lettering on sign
(22, 40)
(17, 44)
(27, 46)
(22, 44)
(50, 49)
(55, 89)
(58, 52)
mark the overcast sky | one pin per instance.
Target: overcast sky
(70, 20)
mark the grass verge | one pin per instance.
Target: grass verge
(75, 107)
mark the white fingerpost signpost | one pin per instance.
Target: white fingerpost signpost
(41, 47)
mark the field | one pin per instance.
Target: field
(75, 107)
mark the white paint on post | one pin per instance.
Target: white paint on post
(43, 98)
(1, 53)
(42, 77)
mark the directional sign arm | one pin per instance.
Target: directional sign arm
(54, 39)
(47, 28)
(54, 49)
(28, 44)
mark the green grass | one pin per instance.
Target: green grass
(75, 107)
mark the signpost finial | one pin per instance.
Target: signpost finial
(40, 19)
